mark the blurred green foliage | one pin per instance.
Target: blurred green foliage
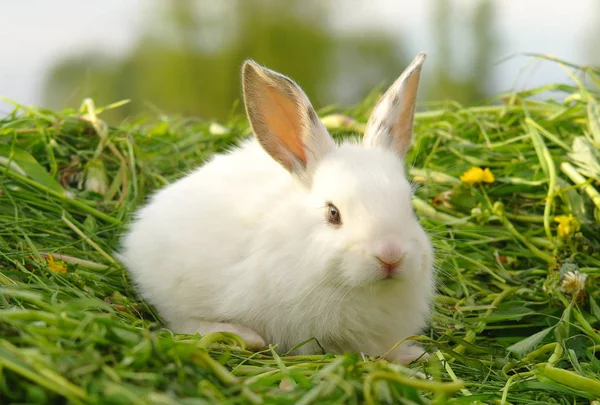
(188, 56)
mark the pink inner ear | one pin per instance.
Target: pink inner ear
(403, 125)
(283, 119)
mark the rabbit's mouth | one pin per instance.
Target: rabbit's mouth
(388, 278)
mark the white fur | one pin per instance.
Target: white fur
(240, 241)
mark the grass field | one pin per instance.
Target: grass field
(518, 313)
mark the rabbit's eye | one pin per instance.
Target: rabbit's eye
(333, 215)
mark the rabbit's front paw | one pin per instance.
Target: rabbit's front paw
(409, 353)
(252, 339)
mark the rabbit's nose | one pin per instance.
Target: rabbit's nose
(389, 268)
(390, 257)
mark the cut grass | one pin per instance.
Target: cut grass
(505, 330)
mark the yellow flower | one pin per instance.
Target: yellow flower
(488, 177)
(567, 225)
(56, 267)
(477, 175)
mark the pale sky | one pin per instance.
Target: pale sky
(35, 34)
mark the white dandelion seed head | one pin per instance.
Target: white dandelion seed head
(573, 282)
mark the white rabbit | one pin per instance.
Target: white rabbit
(294, 237)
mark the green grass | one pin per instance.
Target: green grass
(74, 331)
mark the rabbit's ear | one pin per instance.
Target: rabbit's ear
(283, 119)
(391, 123)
